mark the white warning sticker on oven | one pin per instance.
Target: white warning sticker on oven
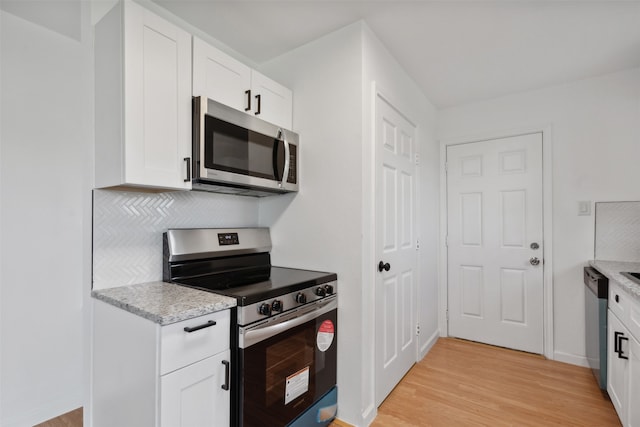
(325, 335)
(296, 385)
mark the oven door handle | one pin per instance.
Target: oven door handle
(262, 332)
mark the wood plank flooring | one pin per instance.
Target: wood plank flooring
(461, 383)
(70, 419)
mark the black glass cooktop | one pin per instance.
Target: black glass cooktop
(280, 281)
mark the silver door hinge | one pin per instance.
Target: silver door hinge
(446, 167)
(417, 329)
(417, 244)
(446, 240)
(446, 313)
(417, 159)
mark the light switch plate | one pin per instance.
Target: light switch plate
(584, 208)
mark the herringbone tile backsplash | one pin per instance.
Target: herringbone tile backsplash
(128, 227)
(618, 231)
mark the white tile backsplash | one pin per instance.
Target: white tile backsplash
(128, 227)
(617, 236)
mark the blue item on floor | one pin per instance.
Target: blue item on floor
(321, 413)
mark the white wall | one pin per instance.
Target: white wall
(329, 224)
(320, 227)
(45, 205)
(595, 132)
(382, 71)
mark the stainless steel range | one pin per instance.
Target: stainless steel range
(284, 342)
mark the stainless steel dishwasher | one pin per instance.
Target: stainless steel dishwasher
(595, 309)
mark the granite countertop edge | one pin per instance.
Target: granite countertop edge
(164, 303)
(612, 269)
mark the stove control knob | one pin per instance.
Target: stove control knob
(320, 291)
(328, 289)
(264, 309)
(301, 298)
(276, 305)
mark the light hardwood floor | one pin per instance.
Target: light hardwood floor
(461, 383)
(70, 419)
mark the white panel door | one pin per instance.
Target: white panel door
(495, 271)
(395, 247)
(193, 396)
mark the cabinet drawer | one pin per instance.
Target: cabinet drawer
(618, 302)
(179, 347)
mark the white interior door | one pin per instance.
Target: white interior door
(395, 247)
(495, 248)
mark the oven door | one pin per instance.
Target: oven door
(287, 364)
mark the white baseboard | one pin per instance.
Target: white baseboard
(571, 359)
(428, 344)
(42, 413)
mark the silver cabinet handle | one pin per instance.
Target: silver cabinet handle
(534, 261)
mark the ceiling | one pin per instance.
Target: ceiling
(457, 51)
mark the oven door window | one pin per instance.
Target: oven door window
(285, 374)
(235, 149)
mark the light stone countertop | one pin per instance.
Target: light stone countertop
(164, 303)
(612, 269)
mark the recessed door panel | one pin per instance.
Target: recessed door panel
(513, 295)
(471, 214)
(471, 281)
(513, 216)
(390, 338)
(390, 218)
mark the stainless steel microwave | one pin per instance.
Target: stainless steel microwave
(235, 152)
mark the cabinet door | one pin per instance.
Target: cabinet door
(193, 396)
(220, 77)
(157, 110)
(271, 101)
(617, 367)
(633, 391)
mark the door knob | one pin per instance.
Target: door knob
(534, 246)
(534, 261)
(384, 266)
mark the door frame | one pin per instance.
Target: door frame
(547, 218)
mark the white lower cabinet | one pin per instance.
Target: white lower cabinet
(623, 359)
(616, 366)
(633, 416)
(195, 396)
(147, 375)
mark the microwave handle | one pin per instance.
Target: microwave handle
(285, 172)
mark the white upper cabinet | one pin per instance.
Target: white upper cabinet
(271, 101)
(143, 100)
(218, 76)
(221, 77)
